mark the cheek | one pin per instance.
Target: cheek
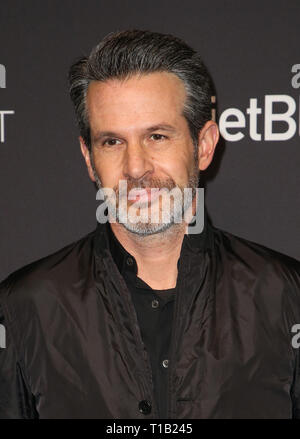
(107, 171)
(177, 170)
(181, 165)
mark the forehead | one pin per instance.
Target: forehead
(154, 95)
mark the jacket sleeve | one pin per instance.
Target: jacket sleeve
(295, 392)
(295, 389)
(16, 400)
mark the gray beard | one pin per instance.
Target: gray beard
(147, 228)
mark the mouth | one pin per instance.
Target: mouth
(144, 195)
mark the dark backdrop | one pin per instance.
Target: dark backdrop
(252, 52)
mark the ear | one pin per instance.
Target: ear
(208, 139)
(86, 155)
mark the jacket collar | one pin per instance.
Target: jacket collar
(105, 242)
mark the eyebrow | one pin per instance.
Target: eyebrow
(160, 127)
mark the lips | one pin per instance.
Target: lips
(143, 195)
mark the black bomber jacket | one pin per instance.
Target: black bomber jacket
(71, 346)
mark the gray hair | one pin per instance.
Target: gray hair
(123, 54)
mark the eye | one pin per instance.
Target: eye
(157, 136)
(111, 142)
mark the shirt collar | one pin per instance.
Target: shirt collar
(105, 239)
(123, 260)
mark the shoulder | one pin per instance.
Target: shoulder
(254, 252)
(260, 276)
(257, 260)
(48, 274)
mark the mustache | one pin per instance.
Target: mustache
(154, 183)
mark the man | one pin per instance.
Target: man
(140, 318)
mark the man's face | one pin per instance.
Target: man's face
(139, 134)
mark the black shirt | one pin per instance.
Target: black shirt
(154, 309)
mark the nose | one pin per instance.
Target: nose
(137, 162)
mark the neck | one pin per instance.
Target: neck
(156, 255)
